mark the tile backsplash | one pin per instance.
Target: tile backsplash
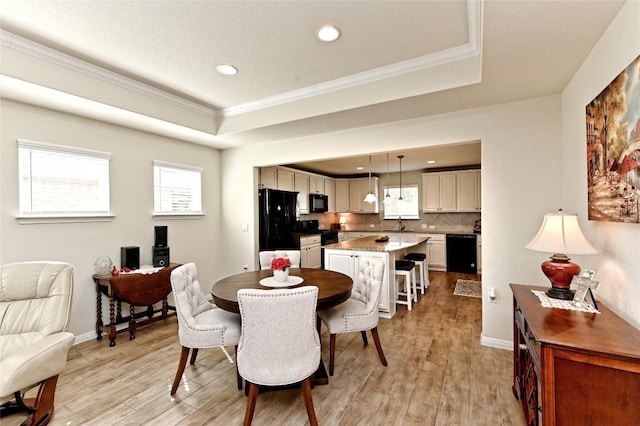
(435, 222)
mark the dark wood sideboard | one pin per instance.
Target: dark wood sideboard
(135, 289)
(574, 368)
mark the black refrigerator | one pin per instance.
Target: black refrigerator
(278, 217)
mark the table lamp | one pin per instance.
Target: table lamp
(343, 222)
(560, 234)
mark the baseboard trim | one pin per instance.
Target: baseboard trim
(496, 343)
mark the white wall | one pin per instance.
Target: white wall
(516, 174)
(131, 202)
(618, 265)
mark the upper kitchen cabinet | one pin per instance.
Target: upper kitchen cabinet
(468, 187)
(451, 191)
(316, 185)
(330, 192)
(276, 178)
(342, 196)
(301, 185)
(358, 189)
(439, 192)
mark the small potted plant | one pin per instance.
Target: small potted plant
(280, 267)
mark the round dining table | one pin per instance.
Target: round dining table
(333, 287)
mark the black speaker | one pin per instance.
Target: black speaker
(160, 256)
(161, 236)
(130, 257)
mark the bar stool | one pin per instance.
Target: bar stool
(406, 269)
(420, 260)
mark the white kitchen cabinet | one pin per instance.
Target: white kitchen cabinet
(285, 180)
(316, 185)
(342, 195)
(437, 252)
(276, 178)
(468, 191)
(346, 262)
(310, 253)
(439, 192)
(269, 177)
(358, 189)
(301, 185)
(330, 192)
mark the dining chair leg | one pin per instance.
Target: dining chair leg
(308, 401)
(181, 364)
(238, 376)
(364, 337)
(332, 353)
(251, 403)
(194, 355)
(376, 340)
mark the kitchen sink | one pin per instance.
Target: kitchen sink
(397, 230)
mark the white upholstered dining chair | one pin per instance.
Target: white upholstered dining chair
(268, 255)
(279, 344)
(201, 324)
(360, 312)
(35, 303)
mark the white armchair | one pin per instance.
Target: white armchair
(35, 302)
(267, 256)
(360, 312)
(201, 324)
(279, 344)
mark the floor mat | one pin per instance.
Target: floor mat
(468, 288)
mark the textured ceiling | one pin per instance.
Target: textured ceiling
(396, 60)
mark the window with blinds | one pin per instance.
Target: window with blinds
(177, 189)
(58, 180)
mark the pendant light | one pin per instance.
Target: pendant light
(387, 198)
(400, 157)
(370, 197)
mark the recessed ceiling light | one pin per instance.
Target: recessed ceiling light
(328, 33)
(431, 162)
(227, 69)
(359, 168)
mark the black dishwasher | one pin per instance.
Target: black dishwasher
(461, 253)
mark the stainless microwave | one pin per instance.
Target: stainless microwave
(318, 203)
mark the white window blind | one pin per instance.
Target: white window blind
(177, 189)
(58, 180)
(408, 208)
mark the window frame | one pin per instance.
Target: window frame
(393, 188)
(27, 217)
(176, 167)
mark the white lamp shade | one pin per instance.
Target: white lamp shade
(343, 220)
(560, 233)
(370, 198)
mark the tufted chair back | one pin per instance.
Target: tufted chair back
(190, 304)
(360, 312)
(267, 256)
(35, 303)
(200, 323)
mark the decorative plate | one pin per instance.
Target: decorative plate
(291, 281)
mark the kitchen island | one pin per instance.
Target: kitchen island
(343, 257)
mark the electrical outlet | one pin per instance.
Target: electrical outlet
(492, 295)
(371, 225)
(432, 227)
(424, 226)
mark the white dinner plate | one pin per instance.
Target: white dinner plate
(271, 282)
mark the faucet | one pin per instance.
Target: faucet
(400, 224)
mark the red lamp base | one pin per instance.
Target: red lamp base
(560, 272)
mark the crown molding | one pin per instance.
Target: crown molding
(20, 44)
(458, 53)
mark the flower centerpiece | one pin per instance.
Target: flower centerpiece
(280, 267)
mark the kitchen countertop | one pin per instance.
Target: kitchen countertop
(412, 232)
(397, 241)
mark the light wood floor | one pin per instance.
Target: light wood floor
(438, 374)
